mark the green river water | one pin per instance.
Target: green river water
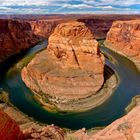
(113, 108)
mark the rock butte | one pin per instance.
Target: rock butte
(71, 68)
(15, 36)
(9, 130)
(124, 38)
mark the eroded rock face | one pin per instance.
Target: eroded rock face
(15, 36)
(9, 130)
(124, 37)
(44, 28)
(49, 132)
(71, 68)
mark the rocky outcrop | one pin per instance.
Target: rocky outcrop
(9, 130)
(71, 68)
(44, 28)
(15, 36)
(125, 128)
(49, 132)
(124, 37)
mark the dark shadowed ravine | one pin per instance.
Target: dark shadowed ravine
(113, 108)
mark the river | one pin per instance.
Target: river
(22, 97)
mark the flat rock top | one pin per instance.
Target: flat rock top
(71, 67)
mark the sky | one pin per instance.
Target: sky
(69, 6)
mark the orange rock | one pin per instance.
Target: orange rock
(124, 37)
(71, 68)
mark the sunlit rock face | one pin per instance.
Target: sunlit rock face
(124, 37)
(15, 36)
(71, 67)
(9, 130)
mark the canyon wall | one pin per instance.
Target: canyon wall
(44, 28)
(98, 27)
(9, 130)
(15, 36)
(98, 24)
(124, 38)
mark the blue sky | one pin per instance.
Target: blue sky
(69, 6)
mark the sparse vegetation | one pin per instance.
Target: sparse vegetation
(4, 97)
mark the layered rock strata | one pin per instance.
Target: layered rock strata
(98, 24)
(71, 68)
(15, 36)
(44, 28)
(124, 37)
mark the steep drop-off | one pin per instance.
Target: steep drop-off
(124, 38)
(44, 28)
(99, 27)
(15, 36)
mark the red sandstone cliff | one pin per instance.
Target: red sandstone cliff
(98, 24)
(15, 36)
(124, 37)
(9, 130)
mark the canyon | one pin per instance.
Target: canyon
(71, 64)
(68, 63)
(124, 38)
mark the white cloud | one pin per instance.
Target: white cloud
(112, 2)
(97, 6)
(32, 2)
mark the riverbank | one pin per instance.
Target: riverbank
(135, 102)
(109, 45)
(84, 104)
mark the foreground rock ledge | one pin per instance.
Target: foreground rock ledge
(70, 69)
(9, 130)
(124, 37)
